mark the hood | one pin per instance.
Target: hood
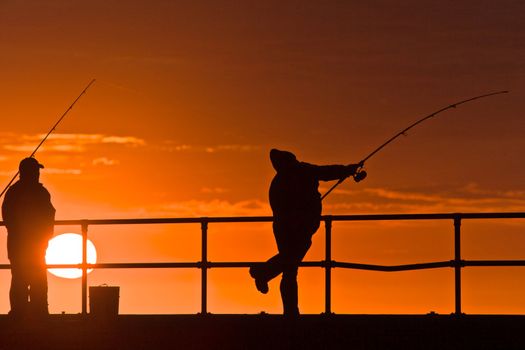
(282, 160)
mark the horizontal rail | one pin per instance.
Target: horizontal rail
(333, 264)
(367, 217)
(408, 267)
(494, 263)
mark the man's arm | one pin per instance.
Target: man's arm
(50, 213)
(331, 172)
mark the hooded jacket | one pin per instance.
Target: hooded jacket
(294, 191)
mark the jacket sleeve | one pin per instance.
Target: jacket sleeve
(50, 213)
(327, 172)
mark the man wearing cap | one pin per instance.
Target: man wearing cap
(29, 217)
(296, 206)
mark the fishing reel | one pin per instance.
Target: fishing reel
(360, 175)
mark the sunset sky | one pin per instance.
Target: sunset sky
(191, 96)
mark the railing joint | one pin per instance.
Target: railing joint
(458, 263)
(329, 264)
(204, 264)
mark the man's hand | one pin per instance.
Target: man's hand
(352, 169)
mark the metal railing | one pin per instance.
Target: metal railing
(457, 263)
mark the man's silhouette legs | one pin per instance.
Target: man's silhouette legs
(265, 272)
(289, 294)
(292, 249)
(28, 293)
(38, 291)
(18, 293)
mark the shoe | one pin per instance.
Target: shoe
(260, 284)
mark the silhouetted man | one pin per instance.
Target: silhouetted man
(296, 206)
(29, 217)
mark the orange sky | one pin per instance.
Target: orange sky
(190, 98)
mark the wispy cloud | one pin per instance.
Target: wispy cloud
(29, 148)
(104, 161)
(63, 171)
(214, 190)
(123, 140)
(171, 146)
(54, 171)
(19, 148)
(85, 139)
(402, 196)
(180, 148)
(65, 142)
(216, 207)
(232, 148)
(469, 198)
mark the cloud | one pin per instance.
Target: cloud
(171, 146)
(402, 196)
(104, 161)
(19, 148)
(63, 171)
(216, 190)
(66, 137)
(64, 142)
(469, 198)
(85, 139)
(216, 207)
(124, 140)
(232, 148)
(180, 148)
(53, 171)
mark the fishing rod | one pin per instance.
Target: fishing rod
(360, 174)
(49, 133)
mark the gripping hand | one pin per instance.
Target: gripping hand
(352, 169)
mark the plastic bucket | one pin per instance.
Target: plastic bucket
(103, 301)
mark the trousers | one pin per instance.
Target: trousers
(28, 292)
(293, 242)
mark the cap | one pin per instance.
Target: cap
(29, 164)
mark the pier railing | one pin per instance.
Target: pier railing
(456, 263)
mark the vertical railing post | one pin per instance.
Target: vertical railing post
(328, 266)
(457, 263)
(84, 266)
(204, 266)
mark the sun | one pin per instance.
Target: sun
(66, 248)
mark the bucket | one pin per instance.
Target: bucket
(103, 301)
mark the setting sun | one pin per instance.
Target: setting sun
(67, 249)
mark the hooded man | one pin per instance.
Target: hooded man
(296, 206)
(29, 217)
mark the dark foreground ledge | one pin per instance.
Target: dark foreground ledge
(265, 332)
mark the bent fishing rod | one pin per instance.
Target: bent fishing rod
(360, 174)
(49, 133)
